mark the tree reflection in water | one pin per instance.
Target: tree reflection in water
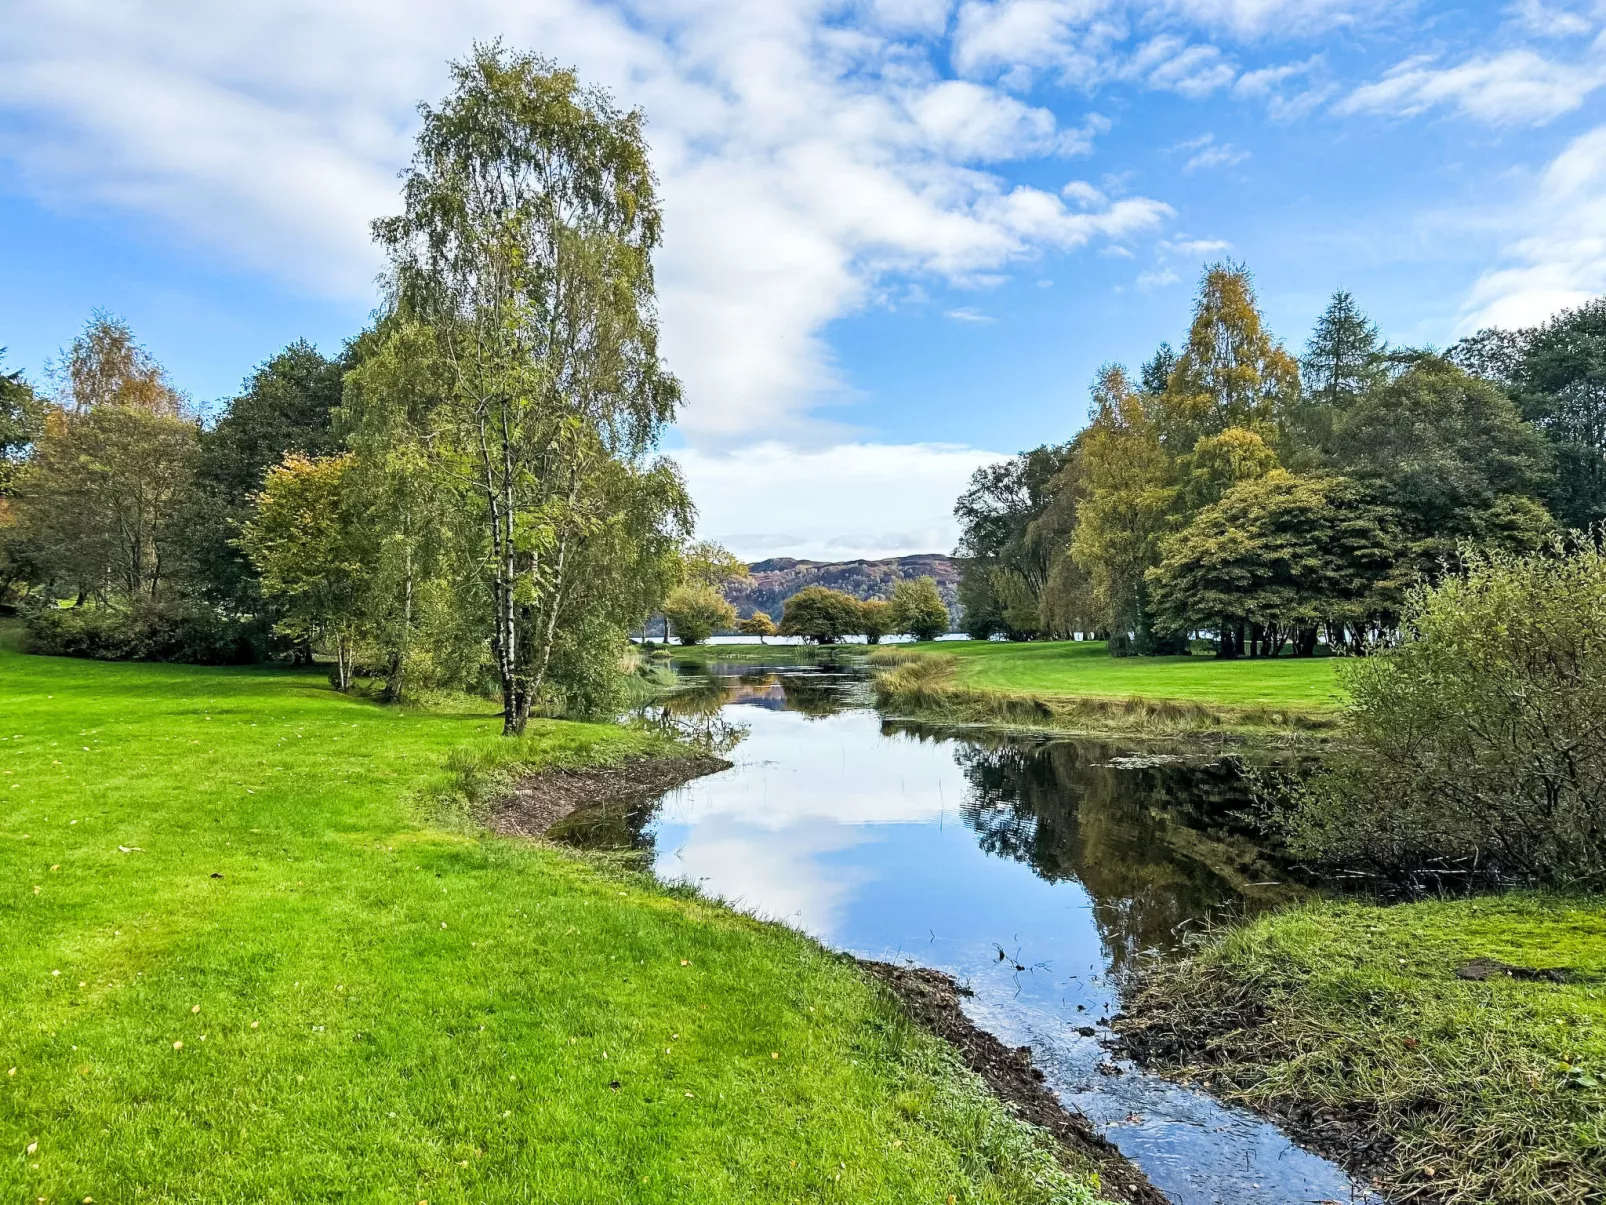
(1160, 844)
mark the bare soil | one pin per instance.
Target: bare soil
(932, 998)
(538, 802)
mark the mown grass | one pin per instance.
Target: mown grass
(1351, 1019)
(767, 654)
(252, 948)
(1077, 686)
(1084, 667)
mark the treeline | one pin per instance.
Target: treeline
(1268, 502)
(466, 496)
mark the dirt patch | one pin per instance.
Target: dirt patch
(932, 998)
(538, 802)
(1480, 970)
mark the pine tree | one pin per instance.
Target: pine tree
(1344, 355)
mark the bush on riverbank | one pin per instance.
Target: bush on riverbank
(1370, 1031)
(1478, 745)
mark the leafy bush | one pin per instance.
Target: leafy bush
(917, 608)
(822, 615)
(1479, 742)
(698, 611)
(147, 632)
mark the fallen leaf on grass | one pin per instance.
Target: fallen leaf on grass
(32, 1147)
(178, 1045)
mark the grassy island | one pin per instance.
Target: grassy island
(1077, 684)
(244, 957)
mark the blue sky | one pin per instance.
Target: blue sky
(901, 234)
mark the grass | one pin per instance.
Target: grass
(1078, 685)
(252, 947)
(767, 654)
(1350, 1018)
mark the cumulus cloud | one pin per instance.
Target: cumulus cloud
(836, 503)
(1558, 257)
(1517, 87)
(805, 161)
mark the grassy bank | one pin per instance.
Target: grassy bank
(1076, 685)
(1352, 1021)
(765, 654)
(252, 948)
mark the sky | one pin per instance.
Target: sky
(901, 236)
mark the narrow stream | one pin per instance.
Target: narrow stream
(1032, 869)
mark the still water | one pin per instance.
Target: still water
(1034, 870)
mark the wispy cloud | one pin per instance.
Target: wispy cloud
(1557, 252)
(969, 313)
(1205, 152)
(1517, 87)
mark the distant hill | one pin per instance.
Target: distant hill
(776, 580)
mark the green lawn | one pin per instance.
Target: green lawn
(239, 962)
(1485, 1092)
(1065, 668)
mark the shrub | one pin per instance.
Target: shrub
(875, 619)
(917, 608)
(146, 631)
(1479, 742)
(757, 624)
(822, 615)
(698, 612)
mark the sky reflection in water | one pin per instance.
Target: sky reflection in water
(1064, 857)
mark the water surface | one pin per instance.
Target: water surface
(1035, 870)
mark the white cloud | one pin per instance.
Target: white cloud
(1286, 88)
(1157, 279)
(806, 161)
(1225, 155)
(1083, 194)
(1559, 255)
(1204, 152)
(1195, 248)
(1169, 63)
(969, 313)
(1081, 40)
(971, 123)
(1538, 17)
(1515, 87)
(837, 503)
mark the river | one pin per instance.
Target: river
(1033, 869)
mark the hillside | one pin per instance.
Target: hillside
(775, 580)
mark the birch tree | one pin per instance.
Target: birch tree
(530, 219)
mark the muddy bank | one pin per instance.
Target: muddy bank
(538, 802)
(932, 998)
